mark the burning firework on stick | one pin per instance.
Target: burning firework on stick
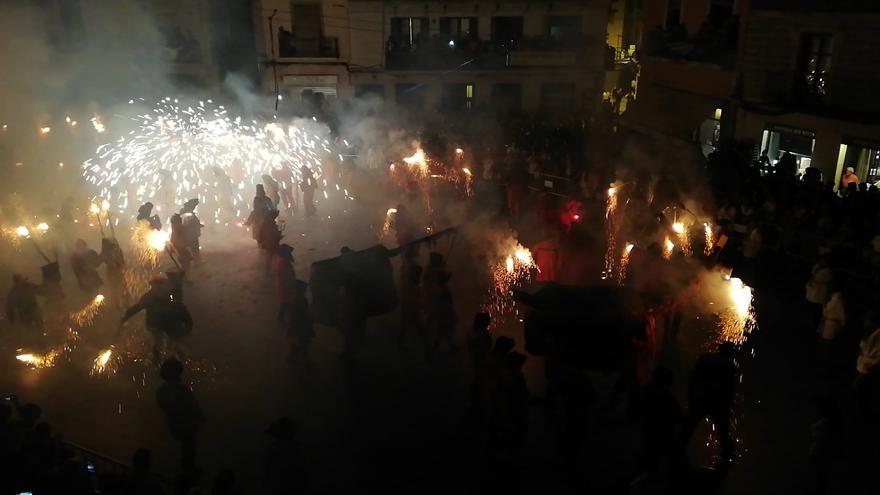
(85, 316)
(668, 247)
(39, 361)
(738, 317)
(103, 363)
(624, 263)
(611, 228)
(512, 271)
(710, 239)
(389, 219)
(684, 242)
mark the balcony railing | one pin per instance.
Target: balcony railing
(291, 47)
(471, 54)
(712, 45)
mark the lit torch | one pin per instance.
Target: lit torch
(37, 361)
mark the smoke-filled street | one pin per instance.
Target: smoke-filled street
(617, 247)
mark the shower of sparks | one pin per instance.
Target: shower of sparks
(668, 247)
(389, 219)
(738, 317)
(418, 162)
(624, 263)
(38, 361)
(710, 239)
(514, 270)
(611, 231)
(103, 363)
(85, 316)
(179, 152)
(684, 242)
(611, 202)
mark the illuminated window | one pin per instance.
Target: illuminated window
(815, 62)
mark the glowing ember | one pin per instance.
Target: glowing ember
(105, 205)
(459, 151)
(22, 231)
(43, 226)
(509, 264)
(738, 318)
(157, 239)
(97, 124)
(94, 209)
(45, 130)
(678, 228)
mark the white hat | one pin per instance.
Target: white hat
(850, 170)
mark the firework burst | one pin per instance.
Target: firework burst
(85, 316)
(738, 317)
(179, 152)
(511, 271)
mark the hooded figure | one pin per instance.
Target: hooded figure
(308, 184)
(262, 207)
(183, 415)
(270, 234)
(272, 190)
(84, 262)
(144, 214)
(192, 226)
(285, 277)
(179, 242)
(300, 326)
(21, 303)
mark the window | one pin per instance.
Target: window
(564, 28)
(673, 13)
(408, 31)
(369, 91)
(507, 97)
(720, 11)
(557, 97)
(815, 62)
(458, 96)
(453, 29)
(507, 29)
(410, 95)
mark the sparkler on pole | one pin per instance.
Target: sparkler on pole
(668, 247)
(710, 239)
(624, 263)
(23, 231)
(95, 210)
(85, 316)
(738, 317)
(38, 361)
(514, 270)
(611, 229)
(684, 241)
(103, 362)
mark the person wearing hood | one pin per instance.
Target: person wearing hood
(272, 190)
(286, 470)
(163, 315)
(144, 213)
(300, 325)
(183, 414)
(84, 262)
(192, 227)
(285, 280)
(270, 237)
(179, 241)
(21, 303)
(308, 185)
(261, 208)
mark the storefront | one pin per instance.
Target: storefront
(863, 156)
(779, 139)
